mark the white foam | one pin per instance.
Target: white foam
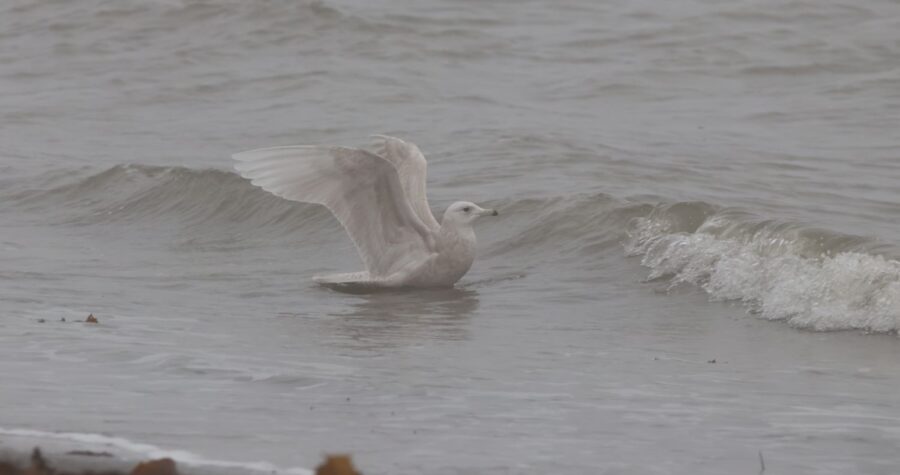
(150, 451)
(776, 278)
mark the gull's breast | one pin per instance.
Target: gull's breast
(452, 260)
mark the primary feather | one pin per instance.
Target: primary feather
(412, 170)
(361, 189)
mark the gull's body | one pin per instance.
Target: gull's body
(380, 200)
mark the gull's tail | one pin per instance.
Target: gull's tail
(354, 283)
(361, 277)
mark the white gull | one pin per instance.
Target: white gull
(380, 200)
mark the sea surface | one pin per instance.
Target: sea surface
(695, 270)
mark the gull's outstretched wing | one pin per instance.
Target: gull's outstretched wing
(361, 189)
(412, 168)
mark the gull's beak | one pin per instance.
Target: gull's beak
(489, 212)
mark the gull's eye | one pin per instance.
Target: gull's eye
(467, 209)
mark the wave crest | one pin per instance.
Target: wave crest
(152, 194)
(808, 277)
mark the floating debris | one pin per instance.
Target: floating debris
(91, 319)
(40, 466)
(333, 465)
(89, 453)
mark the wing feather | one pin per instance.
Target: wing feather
(412, 169)
(361, 189)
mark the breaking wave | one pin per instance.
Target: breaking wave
(811, 278)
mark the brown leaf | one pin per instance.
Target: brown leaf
(164, 466)
(91, 319)
(337, 465)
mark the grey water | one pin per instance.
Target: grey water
(697, 258)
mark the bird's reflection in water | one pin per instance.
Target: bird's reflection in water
(405, 317)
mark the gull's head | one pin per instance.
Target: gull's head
(464, 212)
